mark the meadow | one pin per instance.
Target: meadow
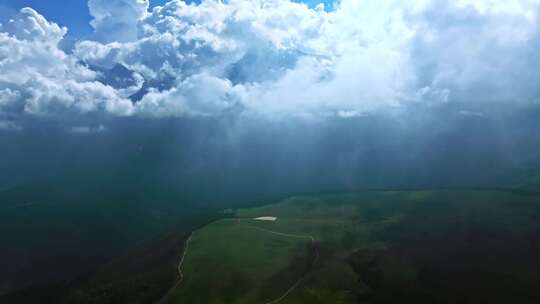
(432, 246)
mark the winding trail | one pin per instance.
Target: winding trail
(179, 269)
(275, 301)
(181, 263)
(300, 280)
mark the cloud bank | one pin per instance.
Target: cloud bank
(117, 20)
(272, 58)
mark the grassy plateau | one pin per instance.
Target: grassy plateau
(440, 246)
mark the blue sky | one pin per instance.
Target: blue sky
(73, 13)
(70, 13)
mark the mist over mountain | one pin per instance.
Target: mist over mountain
(226, 154)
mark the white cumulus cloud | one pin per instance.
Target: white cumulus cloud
(117, 20)
(37, 77)
(274, 57)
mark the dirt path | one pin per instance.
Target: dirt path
(181, 263)
(179, 269)
(292, 288)
(281, 298)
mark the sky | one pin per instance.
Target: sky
(271, 58)
(344, 81)
(73, 14)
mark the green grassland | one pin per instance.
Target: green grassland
(230, 262)
(437, 246)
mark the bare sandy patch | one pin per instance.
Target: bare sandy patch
(266, 218)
